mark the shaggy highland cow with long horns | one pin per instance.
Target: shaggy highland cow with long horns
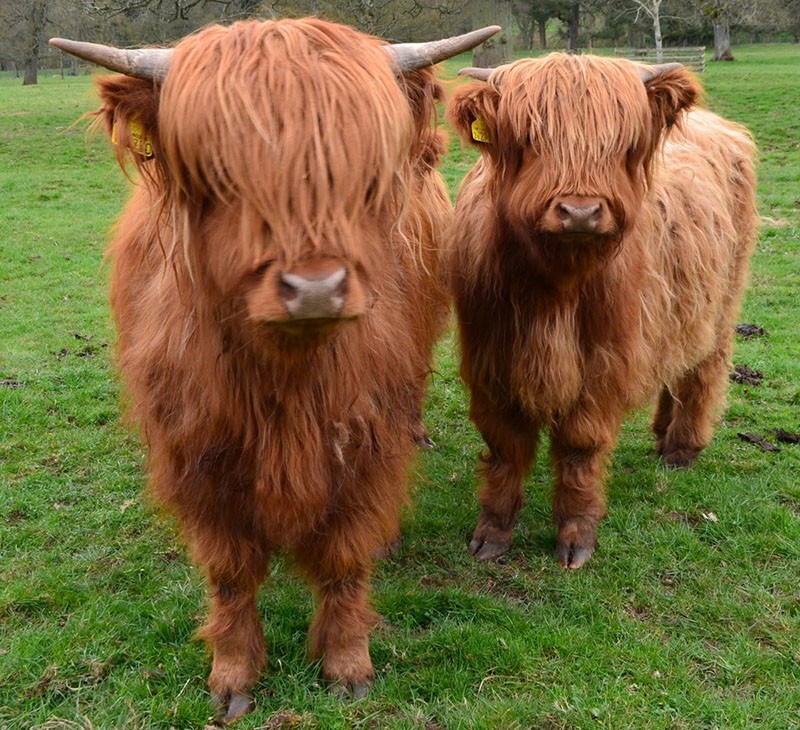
(277, 287)
(600, 253)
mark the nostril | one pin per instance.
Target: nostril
(287, 290)
(341, 288)
(563, 212)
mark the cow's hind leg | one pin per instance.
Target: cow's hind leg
(512, 445)
(662, 418)
(696, 400)
(235, 569)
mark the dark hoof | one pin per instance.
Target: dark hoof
(572, 556)
(424, 442)
(486, 549)
(576, 543)
(231, 706)
(680, 458)
(357, 691)
(386, 551)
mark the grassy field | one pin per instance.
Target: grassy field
(687, 617)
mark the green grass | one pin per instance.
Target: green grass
(687, 617)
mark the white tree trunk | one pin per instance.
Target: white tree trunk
(722, 40)
(657, 31)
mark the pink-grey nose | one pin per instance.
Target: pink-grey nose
(579, 218)
(314, 297)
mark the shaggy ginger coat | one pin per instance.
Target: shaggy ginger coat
(277, 144)
(569, 331)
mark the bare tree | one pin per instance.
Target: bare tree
(652, 9)
(497, 50)
(532, 16)
(572, 17)
(33, 28)
(718, 12)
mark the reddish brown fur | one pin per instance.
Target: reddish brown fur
(280, 145)
(569, 332)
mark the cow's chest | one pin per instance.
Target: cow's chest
(547, 364)
(311, 460)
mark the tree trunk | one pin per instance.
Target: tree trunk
(497, 50)
(722, 40)
(543, 34)
(657, 33)
(31, 72)
(573, 21)
(36, 21)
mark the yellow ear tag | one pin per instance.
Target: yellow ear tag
(139, 141)
(479, 131)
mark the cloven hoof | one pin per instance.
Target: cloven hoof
(230, 706)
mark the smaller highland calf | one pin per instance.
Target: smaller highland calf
(277, 285)
(601, 248)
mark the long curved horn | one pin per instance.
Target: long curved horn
(482, 74)
(146, 63)
(414, 56)
(648, 73)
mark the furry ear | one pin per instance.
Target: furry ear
(472, 110)
(669, 94)
(423, 91)
(130, 116)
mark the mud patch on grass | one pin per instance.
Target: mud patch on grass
(749, 331)
(746, 375)
(758, 440)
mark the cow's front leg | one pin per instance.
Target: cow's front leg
(512, 445)
(340, 634)
(579, 494)
(233, 631)
(339, 570)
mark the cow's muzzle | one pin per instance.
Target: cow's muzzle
(314, 296)
(317, 291)
(574, 214)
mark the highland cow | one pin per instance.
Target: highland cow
(600, 252)
(277, 286)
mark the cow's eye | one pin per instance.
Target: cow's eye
(263, 267)
(369, 196)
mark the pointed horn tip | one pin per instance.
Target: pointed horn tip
(669, 66)
(648, 72)
(480, 74)
(487, 31)
(481, 35)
